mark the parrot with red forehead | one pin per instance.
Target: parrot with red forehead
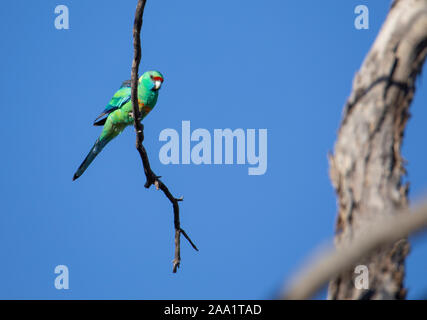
(117, 115)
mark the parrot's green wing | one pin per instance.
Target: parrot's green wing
(117, 101)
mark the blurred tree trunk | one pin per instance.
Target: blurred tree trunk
(367, 167)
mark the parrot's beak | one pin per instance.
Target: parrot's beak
(157, 84)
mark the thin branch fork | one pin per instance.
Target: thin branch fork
(152, 178)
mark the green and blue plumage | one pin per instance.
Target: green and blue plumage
(117, 115)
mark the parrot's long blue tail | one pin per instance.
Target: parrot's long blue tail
(96, 149)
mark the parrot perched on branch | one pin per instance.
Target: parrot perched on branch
(118, 113)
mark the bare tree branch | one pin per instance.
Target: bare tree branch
(367, 167)
(152, 179)
(330, 263)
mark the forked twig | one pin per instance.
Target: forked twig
(152, 178)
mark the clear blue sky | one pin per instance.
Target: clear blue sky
(286, 66)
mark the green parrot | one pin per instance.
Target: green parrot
(118, 113)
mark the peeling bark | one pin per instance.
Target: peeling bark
(366, 168)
